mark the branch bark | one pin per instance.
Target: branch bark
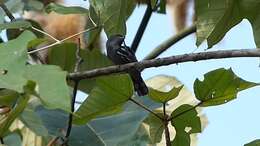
(164, 61)
(142, 27)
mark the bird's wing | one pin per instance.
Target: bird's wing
(126, 54)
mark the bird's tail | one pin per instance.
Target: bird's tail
(139, 84)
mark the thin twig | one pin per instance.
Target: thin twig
(7, 12)
(145, 108)
(166, 128)
(92, 21)
(45, 33)
(56, 43)
(53, 141)
(12, 18)
(142, 27)
(76, 83)
(165, 61)
(1, 140)
(169, 42)
(184, 112)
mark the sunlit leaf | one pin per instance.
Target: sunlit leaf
(219, 86)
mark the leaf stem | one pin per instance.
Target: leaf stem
(145, 108)
(181, 113)
(166, 128)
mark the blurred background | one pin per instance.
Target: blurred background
(231, 124)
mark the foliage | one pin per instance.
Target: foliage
(39, 95)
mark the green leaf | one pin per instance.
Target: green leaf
(15, 112)
(162, 8)
(184, 117)
(15, 24)
(65, 10)
(51, 81)
(110, 94)
(219, 86)
(140, 138)
(13, 139)
(156, 128)
(253, 143)
(53, 89)
(216, 18)
(56, 120)
(14, 6)
(93, 37)
(35, 42)
(113, 14)
(164, 97)
(185, 121)
(33, 5)
(13, 57)
(33, 121)
(181, 139)
(8, 97)
(64, 56)
(112, 129)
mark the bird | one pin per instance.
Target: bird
(119, 53)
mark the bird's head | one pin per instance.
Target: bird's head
(115, 41)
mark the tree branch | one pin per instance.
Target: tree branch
(169, 42)
(75, 89)
(164, 61)
(1, 140)
(142, 27)
(7, 12)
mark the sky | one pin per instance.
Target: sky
(233, 124)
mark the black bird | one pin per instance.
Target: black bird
(119, 54)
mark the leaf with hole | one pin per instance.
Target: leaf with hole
(219, 86)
